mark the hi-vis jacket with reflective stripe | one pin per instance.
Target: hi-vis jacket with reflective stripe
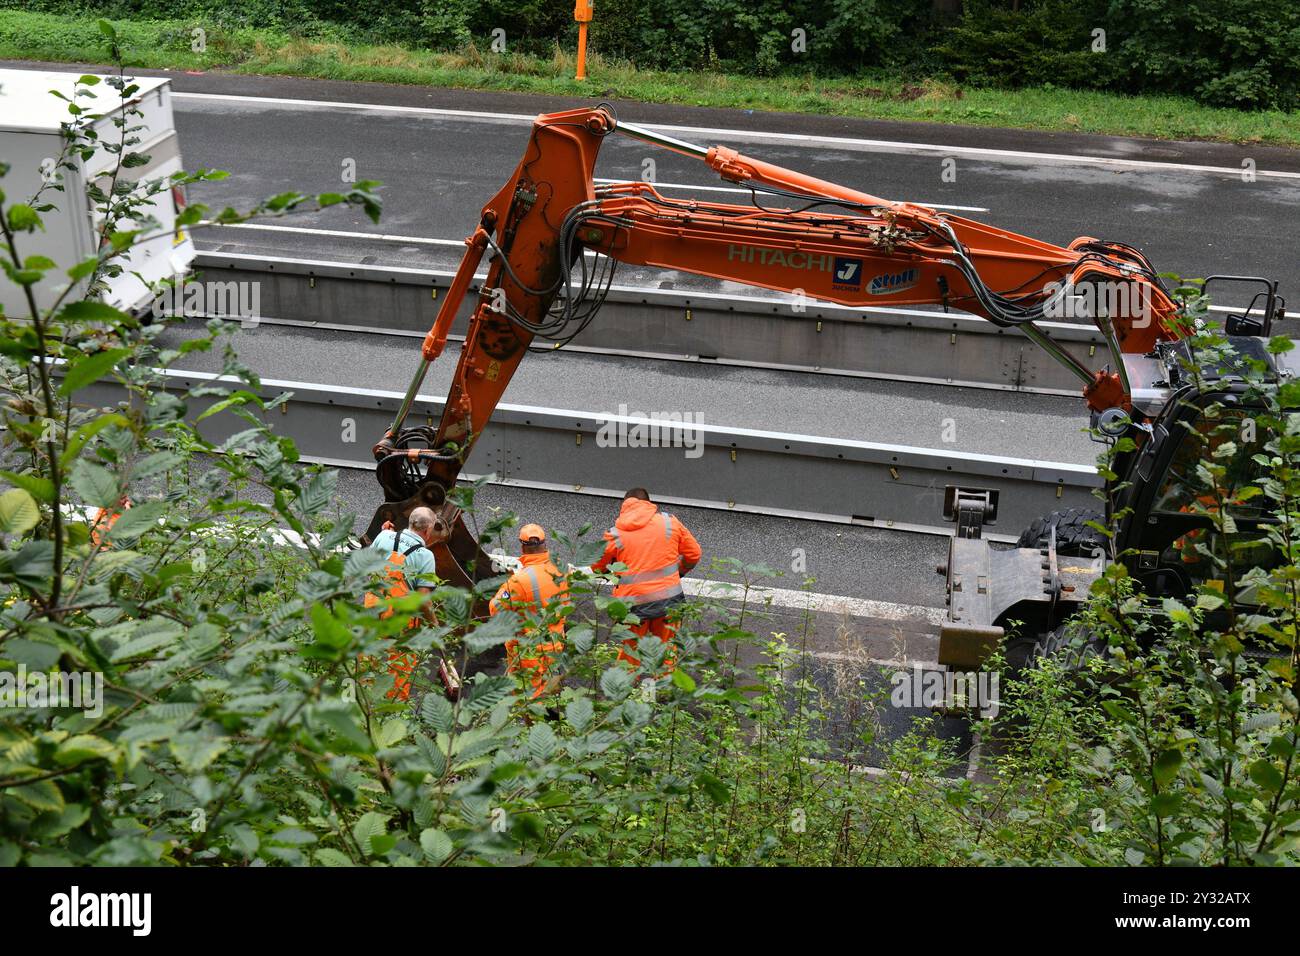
(655, 546)
(534, 586)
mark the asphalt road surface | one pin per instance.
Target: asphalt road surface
(440, 167)
(1186, 204)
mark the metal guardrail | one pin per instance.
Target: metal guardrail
(747, 470)
(878, 342)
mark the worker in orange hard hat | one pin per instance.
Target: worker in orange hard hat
(657, 549)
(534, 591)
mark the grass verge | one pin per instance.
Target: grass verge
(168, 45)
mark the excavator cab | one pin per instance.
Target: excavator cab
(1186, 409)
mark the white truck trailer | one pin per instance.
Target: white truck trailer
(31, 139)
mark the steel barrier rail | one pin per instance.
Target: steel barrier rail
(802, 476)
(765, 331)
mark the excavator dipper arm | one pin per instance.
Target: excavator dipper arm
(555, 238)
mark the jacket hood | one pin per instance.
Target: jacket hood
(635, 514)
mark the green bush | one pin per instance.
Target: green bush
(841, 36)
(1238, 53)
(1042, 42)
(1235, 53)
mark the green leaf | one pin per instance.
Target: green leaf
(23, 218)
(96, 485)
(90, 310)
(329, 631)
(42, 795)
(136, 521)
(40, 488)
(106, 28)
(196, 750)
(715, 788)
(684, 680)
(1166, 804)
(495, 631)
(437, 712)
(239, 398)
(88, 431)
(391, 733)
(18, 511)
(541, 741)
(1266, 775)
(90, 369)
(343, 724)
(84, 747)
(293, 836)
(1167, 764)
(157, 463)
(615, 683)
(579, 713)
(328, 856)
(437, 846)
(370, 826)
(31, 566)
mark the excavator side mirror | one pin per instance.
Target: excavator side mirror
(1257, 318)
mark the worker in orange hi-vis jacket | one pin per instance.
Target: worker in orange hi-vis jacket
(103, 519)
(536, 587)
(411, 565)
(657, 549)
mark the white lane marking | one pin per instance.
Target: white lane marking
(737, 189)
(796, 139)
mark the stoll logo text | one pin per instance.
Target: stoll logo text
(892, 282)
(103, 909)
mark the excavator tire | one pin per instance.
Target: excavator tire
(1074, 536)
(1070, 644)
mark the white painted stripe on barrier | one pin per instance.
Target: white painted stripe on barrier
(760, 297)
(820, 603)
(790, 598)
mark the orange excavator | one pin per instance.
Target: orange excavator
(555, 237)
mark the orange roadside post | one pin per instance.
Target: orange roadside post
(582, 14)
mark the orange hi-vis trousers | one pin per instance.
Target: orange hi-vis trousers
(660, 628)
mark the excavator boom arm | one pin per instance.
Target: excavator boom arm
(555, 236)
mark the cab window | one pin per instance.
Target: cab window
(1185, 491)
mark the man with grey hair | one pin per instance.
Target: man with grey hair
(411, 567)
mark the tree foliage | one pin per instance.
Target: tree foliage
(1234, 53)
